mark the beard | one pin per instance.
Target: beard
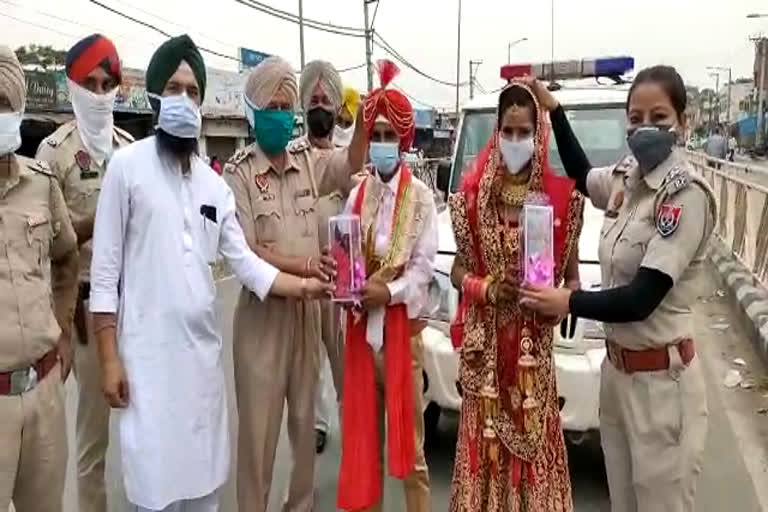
(177, 148)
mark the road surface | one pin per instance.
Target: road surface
(724, 485)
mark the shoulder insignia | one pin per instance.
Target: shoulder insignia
(677, 179)
(625, 165)
(57, 138)
(124, 134)
(668, 219)
(237, 158)
(298, 145)
(40, 167)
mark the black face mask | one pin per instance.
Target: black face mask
(320, 122)
(651, 145)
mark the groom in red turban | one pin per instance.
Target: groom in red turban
(384, 351)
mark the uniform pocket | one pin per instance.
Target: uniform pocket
(305, 209)
(656, 421)
(39, 235)
(266, 218)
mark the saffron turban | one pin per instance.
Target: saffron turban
(390, 104)
(90, 53)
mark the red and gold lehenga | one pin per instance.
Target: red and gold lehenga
(510, 455)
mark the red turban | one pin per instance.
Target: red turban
(90, 53)
(391, 104)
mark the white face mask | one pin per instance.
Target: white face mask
(516, 153)
(10, 132)
(179, 116)
(95, 122)
(342, 137)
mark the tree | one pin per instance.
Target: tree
(43, 58)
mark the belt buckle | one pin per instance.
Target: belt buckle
(23, 381)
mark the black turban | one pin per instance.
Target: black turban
(166, 60)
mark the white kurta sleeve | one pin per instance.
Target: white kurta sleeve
(412, 288)
(256, 274)
(109, 229)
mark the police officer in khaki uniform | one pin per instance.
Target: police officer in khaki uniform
(276, 342)
(78, 153)
(325, 104)
(659, 216)
(38, 288)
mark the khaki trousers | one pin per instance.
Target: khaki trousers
(92, 425)
(276, 346)
(653, 427)
(416, 485)
(331, 330)
(33, 458)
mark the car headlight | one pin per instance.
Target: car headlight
(443, 301)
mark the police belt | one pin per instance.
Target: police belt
(22, 380)
(651, 360)
(83, 294)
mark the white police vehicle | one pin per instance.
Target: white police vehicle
(596, 113)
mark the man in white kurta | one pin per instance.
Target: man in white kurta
(162, 219)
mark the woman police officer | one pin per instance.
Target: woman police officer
(658, 219)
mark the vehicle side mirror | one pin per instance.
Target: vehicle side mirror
(444, 176)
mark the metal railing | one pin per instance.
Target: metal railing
(742, 223)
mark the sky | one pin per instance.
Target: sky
(688, 34)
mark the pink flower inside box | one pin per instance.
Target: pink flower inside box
(345, 236)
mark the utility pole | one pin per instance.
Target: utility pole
(301, 32)
(728, 102)
(368, 45)
(762, 57)
(458, 63)
(717, 97)
(473, 65)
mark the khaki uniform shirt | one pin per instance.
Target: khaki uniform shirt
(661, 221)
(80, 177)
(38, 264)
(277, 208)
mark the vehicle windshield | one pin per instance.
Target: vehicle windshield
(601, 130)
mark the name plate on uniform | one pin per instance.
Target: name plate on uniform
(345, 236)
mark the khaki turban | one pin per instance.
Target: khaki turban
(12, 84)
(273, 74)
(323, 73)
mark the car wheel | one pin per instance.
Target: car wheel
(431, 419)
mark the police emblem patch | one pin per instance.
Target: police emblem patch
(668, 219)
(83, 160)
(262, 181)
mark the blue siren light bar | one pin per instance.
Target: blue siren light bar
(612, 67)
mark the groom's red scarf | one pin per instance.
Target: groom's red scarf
(360, 482)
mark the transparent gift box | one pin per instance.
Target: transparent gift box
(538, 243)
(345, 238)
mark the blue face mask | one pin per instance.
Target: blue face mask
(384, 156)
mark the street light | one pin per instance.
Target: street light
(509, 48)
(730, 78)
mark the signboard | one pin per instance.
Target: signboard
(250, 58)
(41, 90)
(132, 95)
(224, 95)
(424, 118)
